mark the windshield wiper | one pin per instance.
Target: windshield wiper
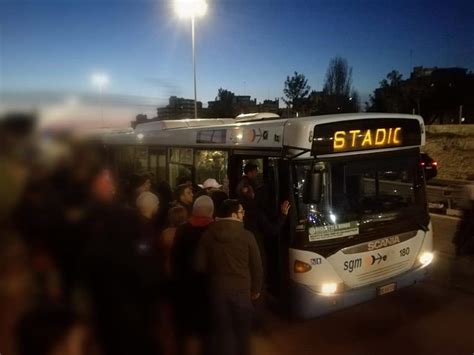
(379, 217)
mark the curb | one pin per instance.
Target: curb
(451, 212)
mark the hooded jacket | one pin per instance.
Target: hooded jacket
(230, 256)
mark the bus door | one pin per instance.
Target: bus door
(157, 164)
(266, 191)
(269, 191)
(280, 284)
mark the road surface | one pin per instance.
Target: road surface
(435, 317)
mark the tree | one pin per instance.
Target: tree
(355, 101)
(395, 78)
(223, 106)
(338, 94)
(391, 96)
(296, 91)
(338, 78)
(436, 96)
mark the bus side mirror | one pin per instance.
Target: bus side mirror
(313, 187)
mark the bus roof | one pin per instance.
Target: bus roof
(291, 133)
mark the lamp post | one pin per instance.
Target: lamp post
(100, 80)
(191, 9)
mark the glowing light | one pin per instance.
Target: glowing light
(426, 258)
(190, 8)
(367, 138)
(332, 217)
(100, 80)
(329, 288)
(140, 136)
(301, 267)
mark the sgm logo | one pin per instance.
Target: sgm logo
(352, 264)
(382, 243)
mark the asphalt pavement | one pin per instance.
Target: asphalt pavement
(434, 317)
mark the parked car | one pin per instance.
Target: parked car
(430, 165)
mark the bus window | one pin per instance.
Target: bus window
(141, 160)
(125, 160)
(210, 164)
(316, 214)
(180, 165)
(157, 164)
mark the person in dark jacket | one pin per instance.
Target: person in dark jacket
(256, 220)
(192, 312)
(120, 285)
(165, 196)
(249, 177)
(229, 254)
(218, 197)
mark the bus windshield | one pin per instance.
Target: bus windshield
(363, 194)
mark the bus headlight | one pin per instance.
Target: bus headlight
(426, 258)
(329, 288)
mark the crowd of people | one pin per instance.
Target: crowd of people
(92, 266)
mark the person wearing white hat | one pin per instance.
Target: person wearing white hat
(210, 184)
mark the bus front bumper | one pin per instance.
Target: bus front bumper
(307, 304)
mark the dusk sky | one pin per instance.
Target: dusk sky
(248, 47)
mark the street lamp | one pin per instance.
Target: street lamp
(100, 80)
(191, 9)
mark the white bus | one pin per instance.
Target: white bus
(359, 225)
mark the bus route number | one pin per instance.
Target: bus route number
(405, 251)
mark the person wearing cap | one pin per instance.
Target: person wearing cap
(192, 312)
(209, 185)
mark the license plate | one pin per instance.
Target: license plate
(383, 290)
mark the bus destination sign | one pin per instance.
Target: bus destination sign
(360, 135)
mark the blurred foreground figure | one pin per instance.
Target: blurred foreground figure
(117, 278)
(53, 331)
(16, 277)
(16, 291)
(16, 150)
(464, 238)
(147, 206)
(230, 256)
(192, 313)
